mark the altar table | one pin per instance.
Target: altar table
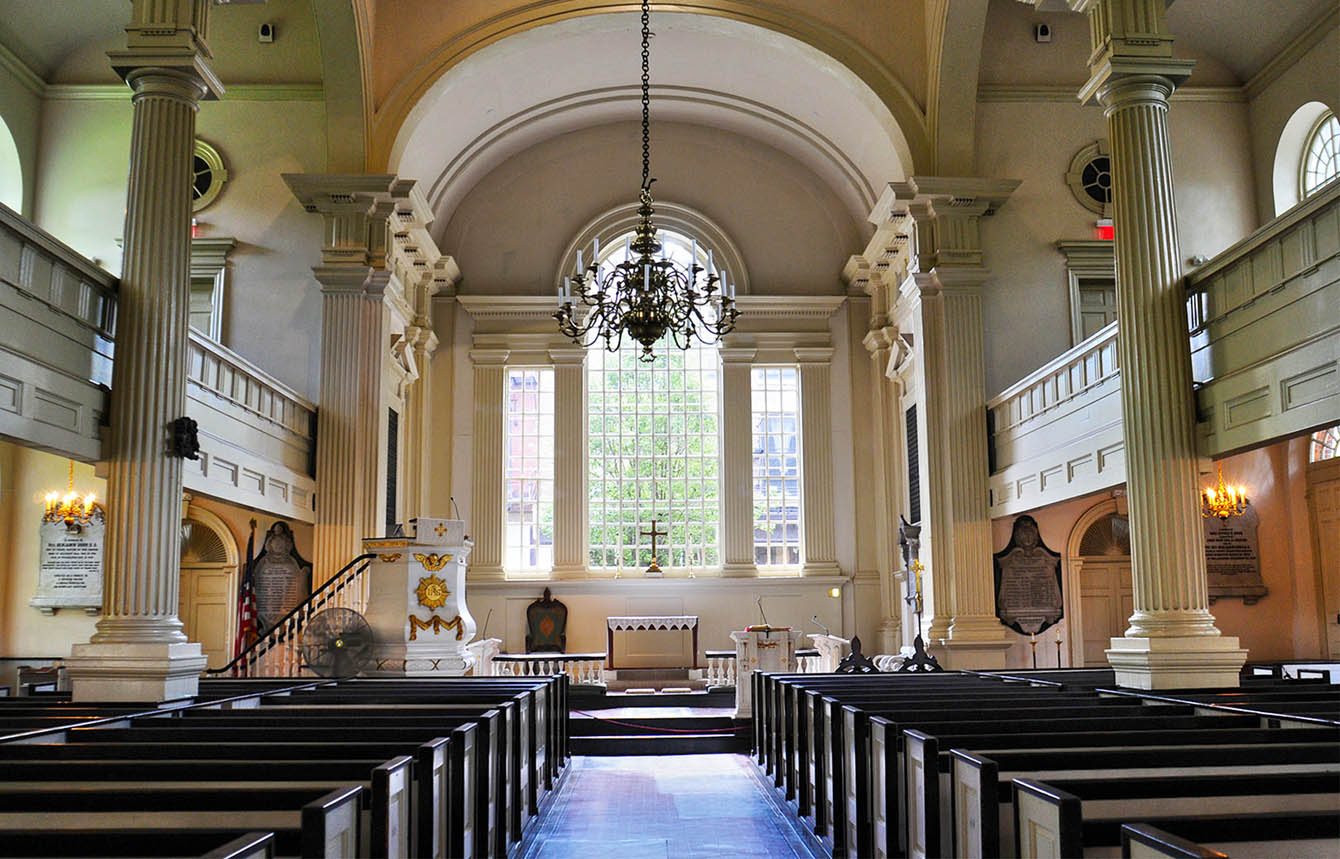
(677, 621)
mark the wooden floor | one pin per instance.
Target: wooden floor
(673, 806)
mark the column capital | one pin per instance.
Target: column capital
(1130, 40)
(736, 355)
(356, 209)
(169, 38)
(821, 355)
(485, 357)
(568, 356)
(343, 279)
(880, 339)
(421, 338)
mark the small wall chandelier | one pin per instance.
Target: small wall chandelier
(71, 509)
(1222, 501)
(646, 296)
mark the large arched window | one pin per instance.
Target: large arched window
(1321, 155)
(654, 446)
(11, 170)
(1325, 444)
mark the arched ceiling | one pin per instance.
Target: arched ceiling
(707, 70)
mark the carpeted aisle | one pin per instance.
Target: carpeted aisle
(665, 806)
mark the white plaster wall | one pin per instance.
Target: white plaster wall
(1315, 77)
(272, 308)
(509, 232)
(1026, 310)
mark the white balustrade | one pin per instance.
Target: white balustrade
(720, 669)
(583, 669)
(831, 650)
(810, 661)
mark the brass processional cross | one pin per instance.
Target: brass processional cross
(654, 566)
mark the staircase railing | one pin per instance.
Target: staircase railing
(274, 653)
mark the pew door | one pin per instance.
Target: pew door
(208, 594)
(1106, 603)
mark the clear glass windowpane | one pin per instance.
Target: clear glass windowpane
(528, 517)
(775, 398)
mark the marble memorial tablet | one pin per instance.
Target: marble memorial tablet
(69, 574)
(282, 578)
(1232, 557)
(1028, 581)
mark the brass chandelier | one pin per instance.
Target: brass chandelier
(648, 295)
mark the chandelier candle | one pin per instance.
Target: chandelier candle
(646, 297)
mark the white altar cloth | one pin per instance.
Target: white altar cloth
(671, 621)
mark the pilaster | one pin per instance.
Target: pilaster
(1172, 640)
(139, 652)
(571, 529)
(486, 493)
(816, 441)
(737, 503)
(358, 287)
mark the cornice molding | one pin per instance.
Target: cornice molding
(1286, 57)
(509, 306)
(236, 92)
(26, 75)
(1062, 94)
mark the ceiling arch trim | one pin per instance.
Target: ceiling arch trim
(611, 104)
(672, 216)
(910, 138)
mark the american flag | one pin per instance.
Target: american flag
(246, 600)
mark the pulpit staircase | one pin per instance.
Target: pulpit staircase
(275, 651)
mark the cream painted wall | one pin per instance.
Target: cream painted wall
(1027, 305)
(1315, 77)
(272, 308)
(20, 109)
(26, 475)
(1283, 624)
(510, 231)
(238, 518)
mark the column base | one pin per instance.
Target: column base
(977, 655)
(1184, 662)
(821, 568)
(738, 571)
(890, 635)
(568, 573)
(151, 673)
(485, 574)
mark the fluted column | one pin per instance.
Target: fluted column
(737, 501)
(139, 652)
(418, 421)
(816, 440)
(1172, 640)
(486, 492)
(571, 531)
(887, 501)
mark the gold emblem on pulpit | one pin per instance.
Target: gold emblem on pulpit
(432, 562)
(390, 558)
(436, 624)
(432, 592)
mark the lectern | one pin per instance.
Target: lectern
(761, 648)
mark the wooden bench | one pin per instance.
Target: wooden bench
(982, 797)
(1298, 836)
(1074, 817)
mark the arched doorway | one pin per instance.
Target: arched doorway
(208, 585)
(1098, 597)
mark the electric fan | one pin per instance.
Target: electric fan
(336, 642)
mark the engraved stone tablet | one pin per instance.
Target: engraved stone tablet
(1028, 581)
(282, 578)
(1232, 557)
(69, 574)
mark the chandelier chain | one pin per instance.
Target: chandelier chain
(646, 93)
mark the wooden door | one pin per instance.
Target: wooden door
(205, 608)
(1106, 604)
(1324, 504)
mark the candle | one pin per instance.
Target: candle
(579, 259)
(595, 249)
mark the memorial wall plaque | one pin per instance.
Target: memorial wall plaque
(69, 573)
(1232, 557)
(1028, 581)
(282, 579)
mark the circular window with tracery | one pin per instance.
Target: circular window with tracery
(207, 175)
(1090, 178)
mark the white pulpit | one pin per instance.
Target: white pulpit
(416, 607)
(761, 648)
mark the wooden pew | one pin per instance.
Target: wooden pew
(1072, 817)
(1298, 836)
(982, 797)
(135, 823)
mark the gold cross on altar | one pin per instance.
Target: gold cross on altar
(654, 566)
(440, 529)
